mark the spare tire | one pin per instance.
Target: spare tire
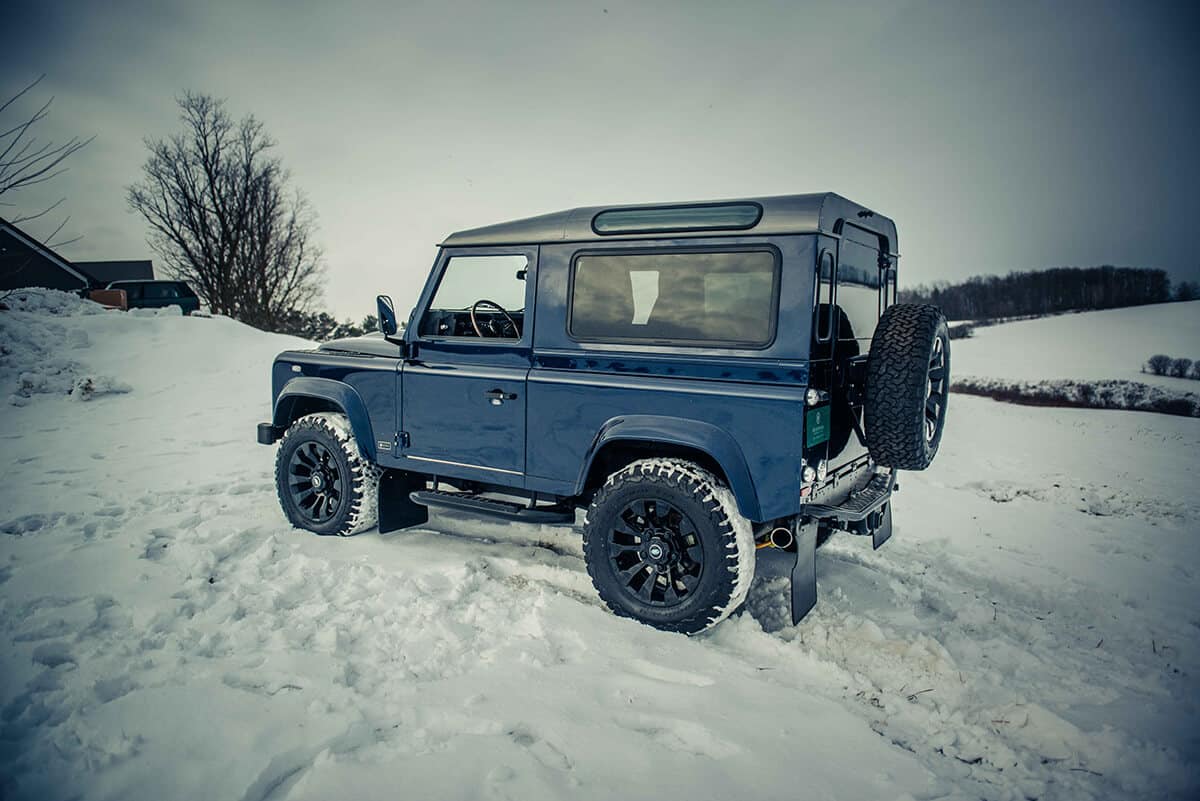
(908, 384)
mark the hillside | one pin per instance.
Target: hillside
(1110, 344)
(1029, 632)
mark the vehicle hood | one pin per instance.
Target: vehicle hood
(371, 345)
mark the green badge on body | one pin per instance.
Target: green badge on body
(816, 426)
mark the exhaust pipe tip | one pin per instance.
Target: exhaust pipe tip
(781, 538)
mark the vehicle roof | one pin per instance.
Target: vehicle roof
(145, 281)
(822, 212)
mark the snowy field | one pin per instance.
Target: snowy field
(1031, 631)
(1109, 344)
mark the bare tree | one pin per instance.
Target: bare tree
(223, 218)
(26, 161)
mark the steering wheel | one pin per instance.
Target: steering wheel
(490, 325)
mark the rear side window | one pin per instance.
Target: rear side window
(695, 217)
(160, 292)
(702, 298)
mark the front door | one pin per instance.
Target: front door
(463, 387)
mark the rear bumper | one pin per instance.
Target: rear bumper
(864, 502)
(269, 434)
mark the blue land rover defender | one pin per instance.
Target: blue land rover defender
(704, 380)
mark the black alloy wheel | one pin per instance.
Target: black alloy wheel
(315, 481)
(664, 544)
(325, 483)
(935, 391)
(655, 552)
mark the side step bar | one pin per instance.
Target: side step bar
(475, 504)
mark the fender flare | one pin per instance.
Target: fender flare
(716, 442)
(338, 393)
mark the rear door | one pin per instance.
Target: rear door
(463, 387)
(858, 300)
(187, 299)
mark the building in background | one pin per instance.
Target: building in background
(106, 271)
(24, 261)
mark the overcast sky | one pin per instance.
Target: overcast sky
(998, 135)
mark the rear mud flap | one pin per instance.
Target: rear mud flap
(883, 531)
(396, 509)
(804, 572)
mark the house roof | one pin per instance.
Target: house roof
(127, 270)
(45, 251)
(824, 212)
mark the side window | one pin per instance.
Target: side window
(824, 300)
(132, 291)
(160, 292)
(715, 298)
(479, 296)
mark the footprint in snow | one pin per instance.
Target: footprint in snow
(684, 736)
(540, 749)
(669, 675)
(111, 689)
(53, 654)
(30, 524)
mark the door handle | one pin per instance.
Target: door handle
(499, 396)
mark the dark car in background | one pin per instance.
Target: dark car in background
(158, 294)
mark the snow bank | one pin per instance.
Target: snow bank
(48, 301)
(1029, 631)
(38, 355)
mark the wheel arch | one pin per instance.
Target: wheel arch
(308, 394)
(623, 440)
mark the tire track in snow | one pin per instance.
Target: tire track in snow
(932, 653)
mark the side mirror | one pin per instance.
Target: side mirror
(387, 316)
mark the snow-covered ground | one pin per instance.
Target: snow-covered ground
(1031, 631)
(1110, 344)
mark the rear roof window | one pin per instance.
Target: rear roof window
(665, 219)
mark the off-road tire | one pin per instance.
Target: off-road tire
(357, 507)
(726, 540)
(899, 370)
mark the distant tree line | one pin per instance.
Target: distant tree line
(320, 326)
(1058, 289)
(1162, 364)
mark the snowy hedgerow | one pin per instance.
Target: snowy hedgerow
(962, 331)
(1159, 363)
(1105, 394)
(1195, 370)
(1181, 367)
